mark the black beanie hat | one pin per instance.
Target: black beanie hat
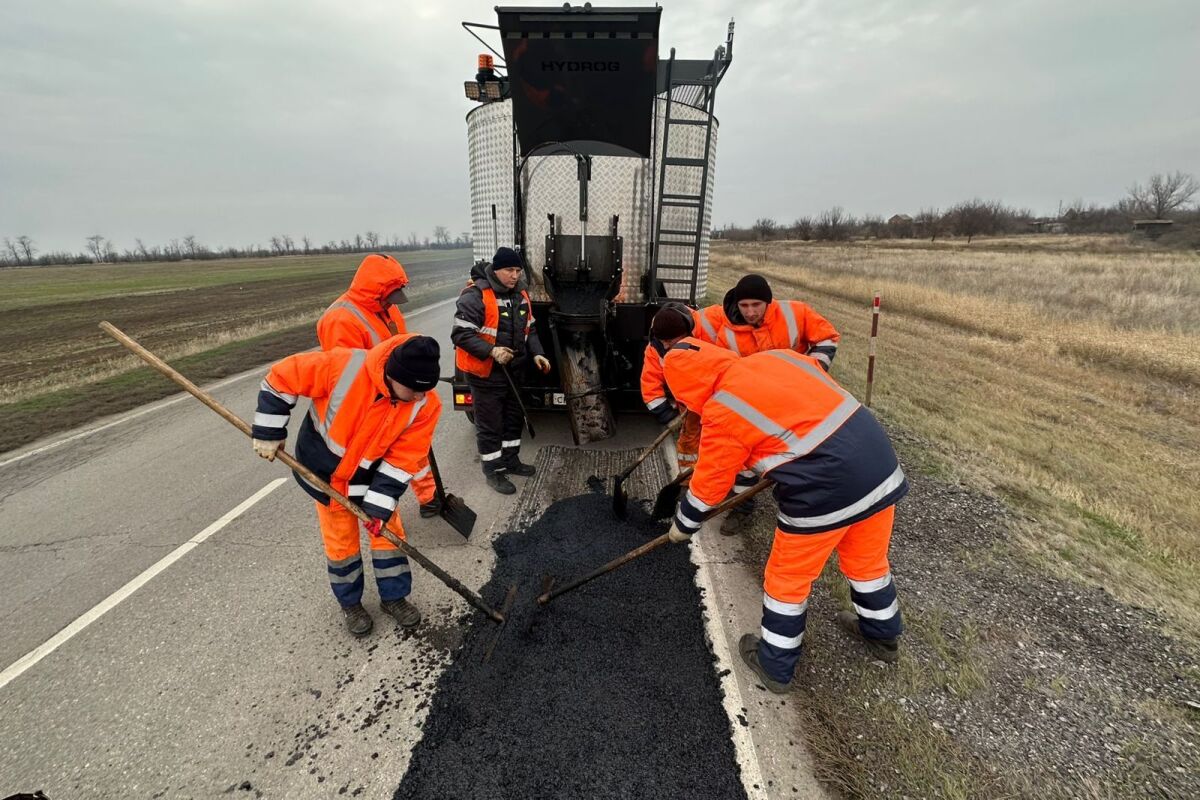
(506, 257)
(415, 364)
(752, 287)
(672, 321)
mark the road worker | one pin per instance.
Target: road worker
(836, 482)
(493, 332)
(671, 323)
(750, 320)
(366, 314)
(366, 433)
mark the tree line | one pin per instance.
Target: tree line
(1163, 196)
(98, 249)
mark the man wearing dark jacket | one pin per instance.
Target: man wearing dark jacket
(493, 332)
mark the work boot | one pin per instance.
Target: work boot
(358, 621)
(432, 508)
(500, 482)
(887, 650)
(406, 614)
(748, 645)
(515, 467)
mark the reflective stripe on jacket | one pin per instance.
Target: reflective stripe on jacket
(358, 318)
(781, 415)
(354, 436)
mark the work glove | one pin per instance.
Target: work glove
(267, 448)
(503, 355)
(678, 536)
(542, 363)
(666, 414)
(374, 526)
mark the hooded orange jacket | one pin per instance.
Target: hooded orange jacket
(781, 415)
(355, 436)
(788, 325)
(358, 318)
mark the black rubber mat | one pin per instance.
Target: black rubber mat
(608, 692)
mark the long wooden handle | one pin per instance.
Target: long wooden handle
(662, 437)
(239, 423)
(651, 545)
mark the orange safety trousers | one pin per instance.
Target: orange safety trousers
(796, 561)
(423, 487)
(343, 551)
(687, 447)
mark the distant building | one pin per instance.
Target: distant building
(1048, 226)
(901, 226)
(1152, 228)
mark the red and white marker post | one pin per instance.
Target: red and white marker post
(871, 348)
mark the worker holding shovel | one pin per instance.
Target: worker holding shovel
(836, 478)
(367, 433)
(363, 316)
(493, 335)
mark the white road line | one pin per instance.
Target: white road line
(172, 401)
(743, 741)
(111, 602)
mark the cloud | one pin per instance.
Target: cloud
(234, 121)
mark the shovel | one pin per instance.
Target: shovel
(310, 476)
(454, 509)
(550, 592)
(520, 401)
(668, 496)
(620, 498)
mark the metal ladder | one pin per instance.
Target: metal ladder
(679, 238)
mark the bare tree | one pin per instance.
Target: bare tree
(14, 254)
(307, 244)
(190, 247)
(929, 222)
(1164, 194)
(276, 245)
(764, 227)
(358, 242)
(833, 225)
(372, 240)
(110, 251)
(441, 234)
(288, 245)
(413, 241)
(803, 228)
(95, 246)
(970, 218)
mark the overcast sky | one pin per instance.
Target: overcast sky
(237, 119)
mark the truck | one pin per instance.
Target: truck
(592, 156)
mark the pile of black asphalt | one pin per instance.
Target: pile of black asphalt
(609, 691)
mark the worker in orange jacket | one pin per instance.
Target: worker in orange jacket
(837, 481)
(367, 433)
(671, 323)
(366, 314)
(750, 320)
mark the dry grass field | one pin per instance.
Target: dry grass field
(1065, 377)
(1044, 393)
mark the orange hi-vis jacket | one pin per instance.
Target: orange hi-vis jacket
(781, 415)
(654, 388)
(358, 318)
(788, 325)
(488, 330)
(355, 436)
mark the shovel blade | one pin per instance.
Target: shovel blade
(668, 498)
(459, 515)
(620, 498)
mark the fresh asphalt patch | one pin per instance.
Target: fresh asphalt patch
(609, 691)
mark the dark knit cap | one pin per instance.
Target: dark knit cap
(506, 257)
(415, 364)
(752, 287)
(672, 321)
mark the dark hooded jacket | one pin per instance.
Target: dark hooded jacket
(510, 332)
